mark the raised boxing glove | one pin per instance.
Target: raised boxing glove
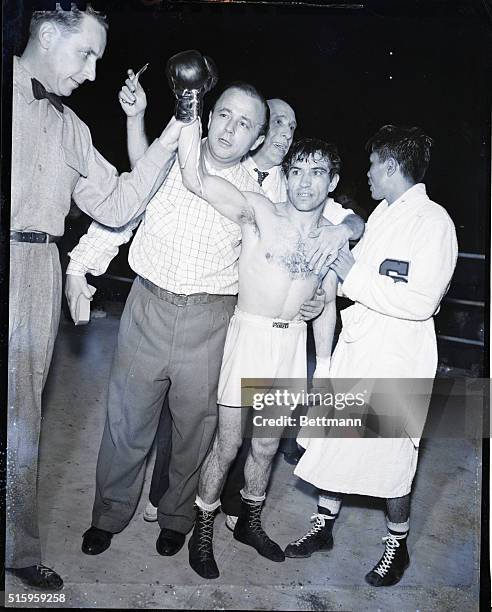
(190, 76)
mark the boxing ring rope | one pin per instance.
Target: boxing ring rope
(472, 256)
(478, 304)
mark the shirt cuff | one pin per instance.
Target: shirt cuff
(76, 269)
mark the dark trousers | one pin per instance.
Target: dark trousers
(162, 349)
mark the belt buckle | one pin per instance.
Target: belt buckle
(182, 299)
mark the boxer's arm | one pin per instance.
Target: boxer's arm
(218, 192)
(324, 327)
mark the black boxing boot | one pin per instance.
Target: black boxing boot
(248, 530)
(318, 538)
(200, 545)
(392, 565)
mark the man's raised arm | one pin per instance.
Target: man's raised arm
(218, 192)
(113, 199)
(133, 101)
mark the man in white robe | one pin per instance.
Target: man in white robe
(397, 276)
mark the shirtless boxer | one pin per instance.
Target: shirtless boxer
(263, 339)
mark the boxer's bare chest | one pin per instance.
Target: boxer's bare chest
(281, 246)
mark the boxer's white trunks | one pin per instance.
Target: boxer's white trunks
(260, 347)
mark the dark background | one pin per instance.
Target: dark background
(346, 69)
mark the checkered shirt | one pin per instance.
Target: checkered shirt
(182, 243)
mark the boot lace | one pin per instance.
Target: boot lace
(255, 519)
(254, 523)
(384, 564)
(319, 523)
(205, 534)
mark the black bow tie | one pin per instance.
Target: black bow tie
(261, 175)
(39, 92)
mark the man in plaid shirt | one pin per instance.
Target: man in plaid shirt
(173, 326)
(174, 323)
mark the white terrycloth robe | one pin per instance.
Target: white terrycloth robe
(387, 333)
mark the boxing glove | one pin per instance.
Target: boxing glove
(190, 76)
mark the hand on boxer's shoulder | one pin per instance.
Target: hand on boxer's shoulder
(132, 96)
(324, 245)
(190, 76)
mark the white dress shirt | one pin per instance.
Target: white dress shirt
(274, 186)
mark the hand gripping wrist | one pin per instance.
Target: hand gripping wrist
(190, 76)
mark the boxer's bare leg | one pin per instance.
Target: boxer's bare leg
(398, 509)
(259, 465)
(224, 450)
(248, 529)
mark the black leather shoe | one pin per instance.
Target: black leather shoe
(96, 541)
(169, 542)
(39, 576)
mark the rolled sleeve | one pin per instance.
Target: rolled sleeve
(98, 247)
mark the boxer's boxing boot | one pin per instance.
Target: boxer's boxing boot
(190, 76)
(392, 565)
(248, 530)
(319, 537)
(200, 545)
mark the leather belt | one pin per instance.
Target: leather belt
(36, 237)
(179, 299)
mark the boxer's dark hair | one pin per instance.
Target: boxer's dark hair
(306, 148)
(250, 90)
(67, 21)
(409, 146)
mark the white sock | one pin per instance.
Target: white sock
(207, 507)
(332, 505)
(251, 497)
(400, 529)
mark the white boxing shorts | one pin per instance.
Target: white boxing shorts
(260, 347)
